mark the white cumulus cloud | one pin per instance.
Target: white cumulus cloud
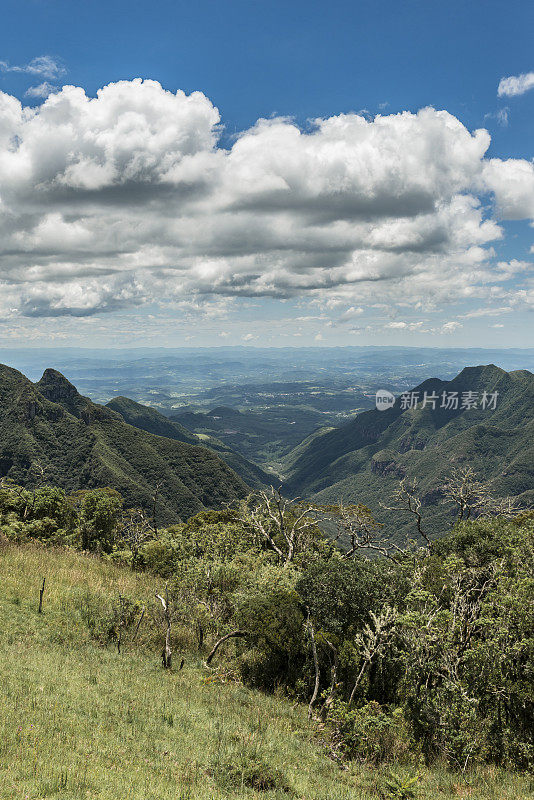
(129, 198)
(512, 182)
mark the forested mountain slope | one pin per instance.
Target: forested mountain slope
(50, 427)
(364, 460)
(152, 421)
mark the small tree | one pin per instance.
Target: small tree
(99, 517)
(170, 608)
(372, 641)
(123, 617)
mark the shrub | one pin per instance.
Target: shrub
(104, 620)
(369, 733)
(271, 614)
(246, 768)
(401, 787)
(160, 555)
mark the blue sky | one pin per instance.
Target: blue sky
(377, 275)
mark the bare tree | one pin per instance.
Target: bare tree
(406, 499)
(474, 498)
(136, 530)
(356, 523)
(285, 526)
(471, 496)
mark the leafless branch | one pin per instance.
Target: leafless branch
(357, 523)
(405, 498)
(233, 635)
(284, 525)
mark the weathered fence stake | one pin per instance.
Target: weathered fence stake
(41, 593)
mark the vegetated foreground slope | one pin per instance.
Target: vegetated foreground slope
(79, 721)
(364, 460)
(152, 421)
(79, 445)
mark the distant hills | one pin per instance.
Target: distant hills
(363, 460)
(236, 376)
(80, 444)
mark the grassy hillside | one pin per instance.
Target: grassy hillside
(80, 445)
(150, 420)
(364, 460)
(78, 721)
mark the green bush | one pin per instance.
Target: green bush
(99, 518)
(271, 613)
(105, 620)
(400, 787)
(246, 768)
(160, 555)
(369, 733)
(45, 514)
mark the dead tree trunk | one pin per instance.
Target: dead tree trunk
(332, 691)
(139, 624)
(316, 667)
(166, 655)
(361, 673)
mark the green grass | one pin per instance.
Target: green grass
(78, 720)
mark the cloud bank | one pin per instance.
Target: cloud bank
(128, 198)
